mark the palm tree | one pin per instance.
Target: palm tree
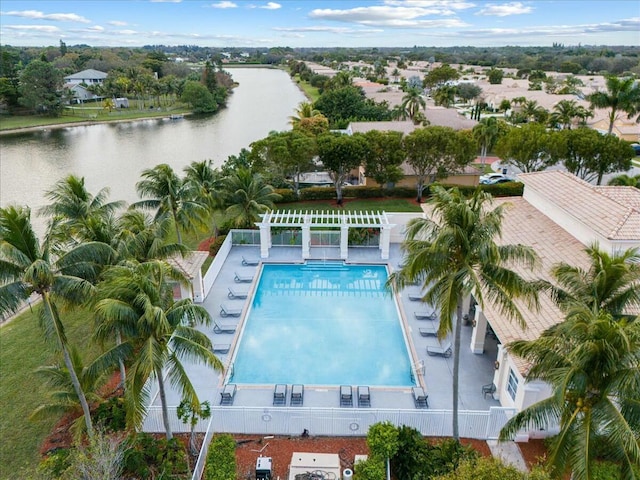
(172, 196)
(247, 196)
(592, 362)
(622, 95)
(412, 102)
(160, 333)
(61, 395)
(76, 213)
(444, 95)
(29, 267)
(626, 181)
(563, 113)
(486, 133)
(456, 255)
(611, 284)
(304, 110)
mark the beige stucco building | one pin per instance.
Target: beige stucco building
(558, 216)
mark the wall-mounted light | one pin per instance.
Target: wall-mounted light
(474, 322)
(497, 365)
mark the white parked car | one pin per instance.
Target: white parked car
(490, 178)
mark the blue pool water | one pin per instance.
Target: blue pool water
(322, 324)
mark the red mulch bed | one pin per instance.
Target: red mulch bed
(204, 245)
(533, 451)
(281, 449)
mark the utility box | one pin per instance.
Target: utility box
(263, 468)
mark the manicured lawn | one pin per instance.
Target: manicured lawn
(388, 205)
(22, 350)
(84, 115)
(310, 91)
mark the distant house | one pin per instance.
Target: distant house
(87, 77)
(79, 82)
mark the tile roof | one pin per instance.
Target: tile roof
(612, 212)
(191, 264)
(398, 126)
(524, 224)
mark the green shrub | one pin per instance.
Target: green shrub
(491, 469)
(410, 460)
(318, 193)
(370, 469)
(111, 415)
(55, 464)
(445, 456)
(286, 195)
(214, 248)
(401, 192)
(221, 459)
(509, 189)
(363, 192)
(148, 457)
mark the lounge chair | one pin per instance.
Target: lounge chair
(420, 399)
(364, 397)
(415, 297)
(428, 331)
(488, 389)
(442, 350)
(249, 262)
(424, 315)
(280, 394)
(226, 311)
(243, 277)
(228, 394)
(219, 327)
(297, 394)
(221, 347)
(239, 294)
(346, 396)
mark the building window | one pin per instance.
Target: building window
(512, 384)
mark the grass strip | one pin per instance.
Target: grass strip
(22, 350)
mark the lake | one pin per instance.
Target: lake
(113, 155)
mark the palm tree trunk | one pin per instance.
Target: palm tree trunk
(456, 369)
(123, 371)
(175, 221)
(163, 402)
(75, 381)
(612, 120)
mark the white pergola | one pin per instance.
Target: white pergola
(305, 220)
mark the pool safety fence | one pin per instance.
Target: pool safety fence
(292, 421)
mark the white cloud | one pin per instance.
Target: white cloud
(625, 25)
(37, 15)
(505, 9)
(327, 29)
(271, 6)
(34, 28)
(224, 4)
(117, 23)
(446, 4)
(387, 16)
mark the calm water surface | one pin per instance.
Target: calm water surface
(114, 155)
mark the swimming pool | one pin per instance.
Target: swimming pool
(322, 324)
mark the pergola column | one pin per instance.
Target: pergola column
(385, 239)
(265, 240)
(479, 331)
(306, 241)
(344, 242)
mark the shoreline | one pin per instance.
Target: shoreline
(84, 123)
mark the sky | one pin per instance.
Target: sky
(310, 23)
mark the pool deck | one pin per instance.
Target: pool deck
(475, 370)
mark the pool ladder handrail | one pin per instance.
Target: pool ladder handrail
(417, 368)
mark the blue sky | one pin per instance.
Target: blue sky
(308, 23)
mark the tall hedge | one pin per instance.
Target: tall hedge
(221, 459)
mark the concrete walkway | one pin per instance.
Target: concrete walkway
(509, 453)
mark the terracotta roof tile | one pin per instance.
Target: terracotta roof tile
(613, 212)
